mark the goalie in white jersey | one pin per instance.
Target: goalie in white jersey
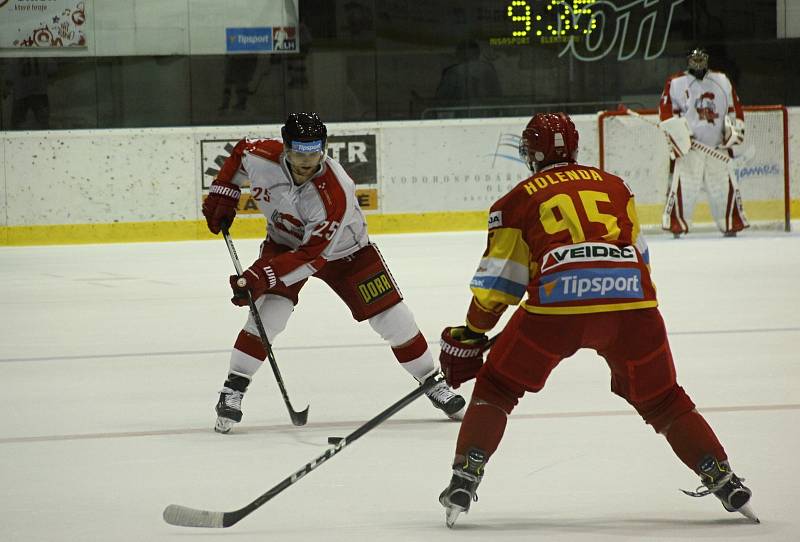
(713, 115)
(314, 228)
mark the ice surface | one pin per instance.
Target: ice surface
(111, 358)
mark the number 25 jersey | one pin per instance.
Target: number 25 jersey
(569, 237)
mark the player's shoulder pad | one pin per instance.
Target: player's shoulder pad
(610, 177)
(331, 192)
(269, 149)
(719, 77)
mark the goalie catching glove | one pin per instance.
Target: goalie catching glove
(461, 356)
(219, 207)
(256, 279)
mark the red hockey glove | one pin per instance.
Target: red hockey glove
(256, 279)
(461, 356)
(219, 208)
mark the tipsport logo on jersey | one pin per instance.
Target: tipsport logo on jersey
(588, 284)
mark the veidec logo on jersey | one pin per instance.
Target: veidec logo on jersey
(588, 252)
(588, 284)
(375, 287)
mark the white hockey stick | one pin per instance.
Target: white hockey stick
(714, 153)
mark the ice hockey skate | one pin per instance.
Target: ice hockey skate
(446, 400)
(229, 406)
(719, 479)
(458, 496)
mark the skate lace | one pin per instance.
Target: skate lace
(704, 490)
(440, 393)
(470, 486)
(233, 398)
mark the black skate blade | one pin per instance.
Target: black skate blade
(335, 440)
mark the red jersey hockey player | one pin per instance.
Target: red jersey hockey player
(569, 237)
(708, 102)
(314, 228)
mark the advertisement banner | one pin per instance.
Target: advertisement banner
(263, 39)
(42, 23)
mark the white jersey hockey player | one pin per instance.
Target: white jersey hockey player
(708, 102)
(314, 228)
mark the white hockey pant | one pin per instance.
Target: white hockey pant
(395, 325)
(275, 312)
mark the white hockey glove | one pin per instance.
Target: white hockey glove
(678, 134)
(733, 132)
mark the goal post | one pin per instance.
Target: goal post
(638, 151)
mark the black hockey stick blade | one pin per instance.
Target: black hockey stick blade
(183, 516)
(298, 418)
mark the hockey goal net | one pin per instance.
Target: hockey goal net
(637, 151)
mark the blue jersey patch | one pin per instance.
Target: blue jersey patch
(587, 284)
(500, 284)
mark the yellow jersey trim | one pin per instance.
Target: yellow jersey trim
(590, 309)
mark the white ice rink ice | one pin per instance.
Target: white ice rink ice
(112, 357)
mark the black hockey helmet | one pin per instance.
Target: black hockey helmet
(697, 60)
(304, 132)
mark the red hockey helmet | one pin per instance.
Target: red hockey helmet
(548, 138)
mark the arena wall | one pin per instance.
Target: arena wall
(94, 186)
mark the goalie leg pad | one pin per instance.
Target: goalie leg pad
(686, 185)
(724, 197)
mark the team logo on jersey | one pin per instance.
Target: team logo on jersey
(706, 109)
(287, 223)
(588, 252)
(589, 284)
(495, 219)
(375, 287)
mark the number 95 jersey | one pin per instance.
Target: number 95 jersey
(569, 237)
(319, 220)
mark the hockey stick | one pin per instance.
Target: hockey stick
(714, 153)
(298, 418)
(184, 516)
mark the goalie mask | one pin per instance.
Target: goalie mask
(698, 62)
(548, 138)
(304, 140)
